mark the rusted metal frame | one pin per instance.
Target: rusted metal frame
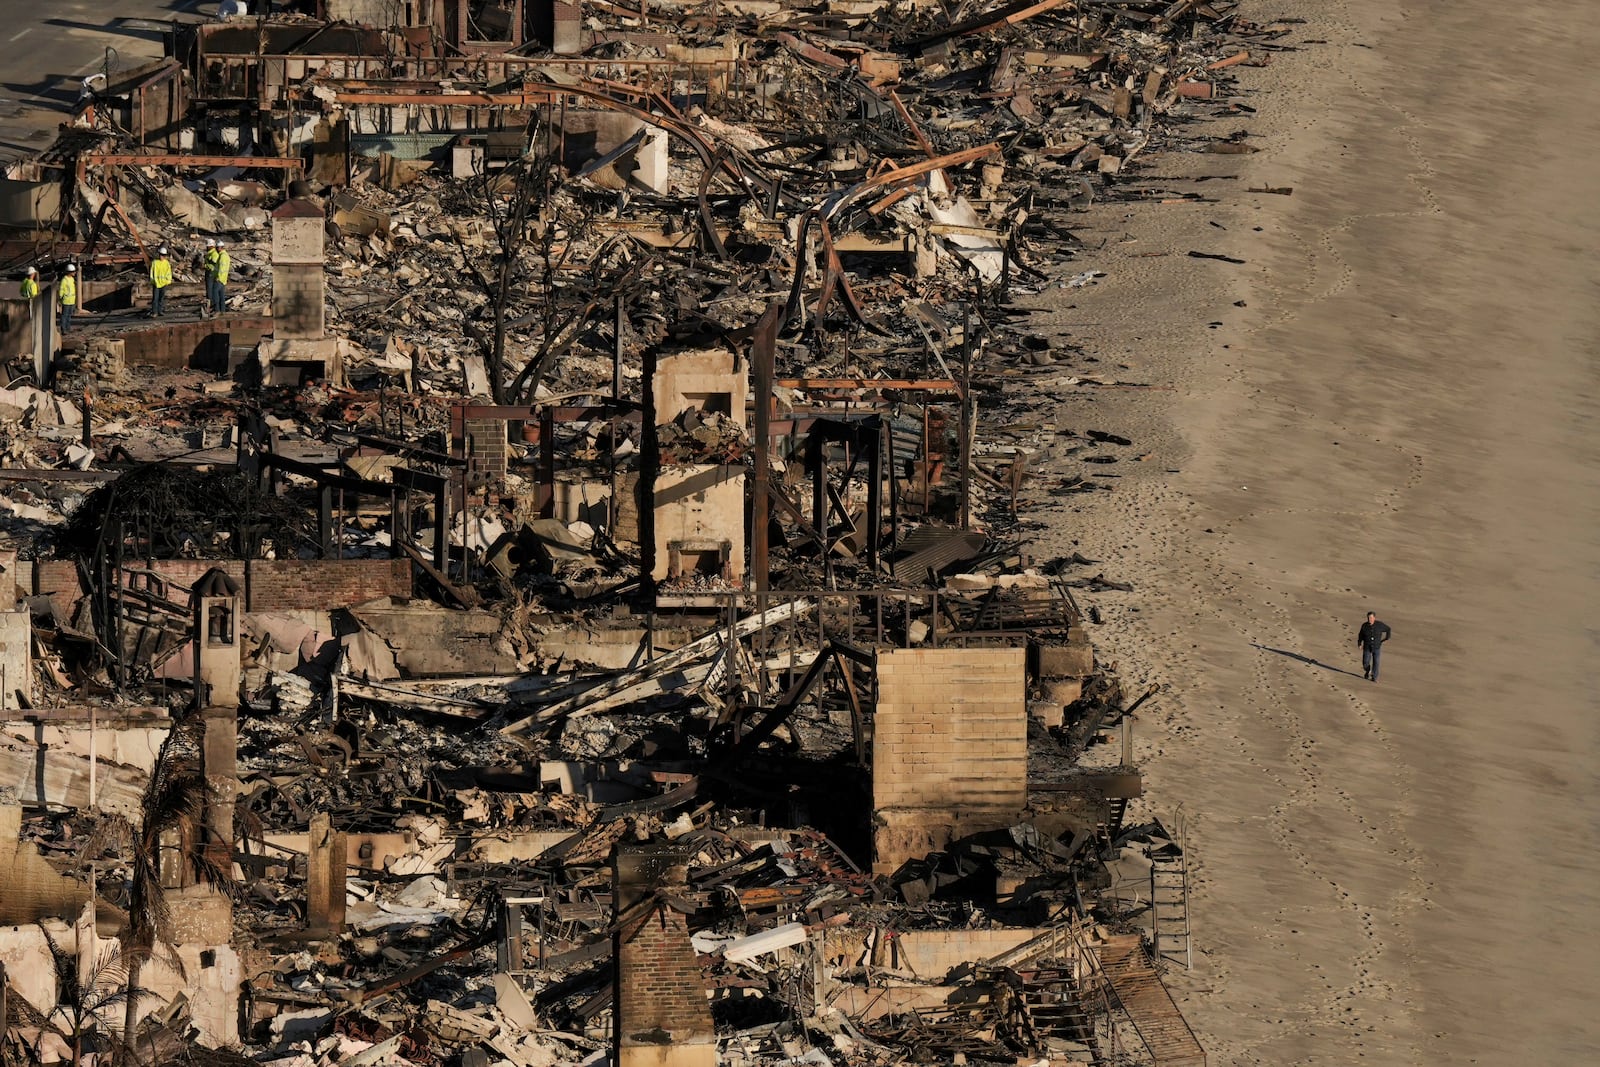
(707, 222)
(832, 272)
(325, 478)
(96, 227)
(857, 716)
(132, 229)
(811, 52)
(832, 207)
(833, 276)
(891, 200)
(734, 166)
(795, 305)
(429, 70)
(406, 448)
(836, 269)
(844, 198)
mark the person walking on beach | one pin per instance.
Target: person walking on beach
(1371, 637)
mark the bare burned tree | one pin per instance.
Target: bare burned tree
(533, 247)
(513, 196)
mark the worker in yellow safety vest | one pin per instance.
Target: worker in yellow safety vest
(208, 267)
(224, 267)
(30, 284)
(160, 278)
(67, 296)
(218, 264)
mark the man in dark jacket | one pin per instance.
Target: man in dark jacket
(1371, 637)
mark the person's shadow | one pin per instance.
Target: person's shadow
(1303, 659)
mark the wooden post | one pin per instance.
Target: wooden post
(547, 461)
(875, 494)
(763, 353)
(613, 505)
(649, 470)
(966, 420)
(325, 521)
(325, 873)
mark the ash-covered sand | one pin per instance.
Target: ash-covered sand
(1402, 417)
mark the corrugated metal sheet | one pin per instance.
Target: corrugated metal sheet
(934, 548)
(403, 145)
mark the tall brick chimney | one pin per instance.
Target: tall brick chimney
(660, 1016)
(299, 294)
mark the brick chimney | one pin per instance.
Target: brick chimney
(660, 1014)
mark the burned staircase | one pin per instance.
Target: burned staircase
(1071, 1004)
(1169, 897)
(1135, 985)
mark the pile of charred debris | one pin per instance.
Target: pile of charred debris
(573, 602)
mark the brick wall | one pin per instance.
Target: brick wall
(661, 996)
(298, 300)
(269, 584)
(485, 442)
(58, 579)
(286, 584)
(183, 573)
(951, 730)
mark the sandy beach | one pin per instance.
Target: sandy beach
(1401, 417)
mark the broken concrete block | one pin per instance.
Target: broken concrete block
(1074, 659)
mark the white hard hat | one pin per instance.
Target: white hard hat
(161, 251)
(70, 268)
(212, 242)
(33, 270)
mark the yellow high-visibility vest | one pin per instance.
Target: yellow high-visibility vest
(160, 273)
(220, 268)
(67, 291)
(30, 287)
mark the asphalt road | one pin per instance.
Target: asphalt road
(47, 49)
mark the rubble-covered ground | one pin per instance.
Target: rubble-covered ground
(855, 215)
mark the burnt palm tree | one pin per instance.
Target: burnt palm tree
(86, 1002)
(170, 835)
